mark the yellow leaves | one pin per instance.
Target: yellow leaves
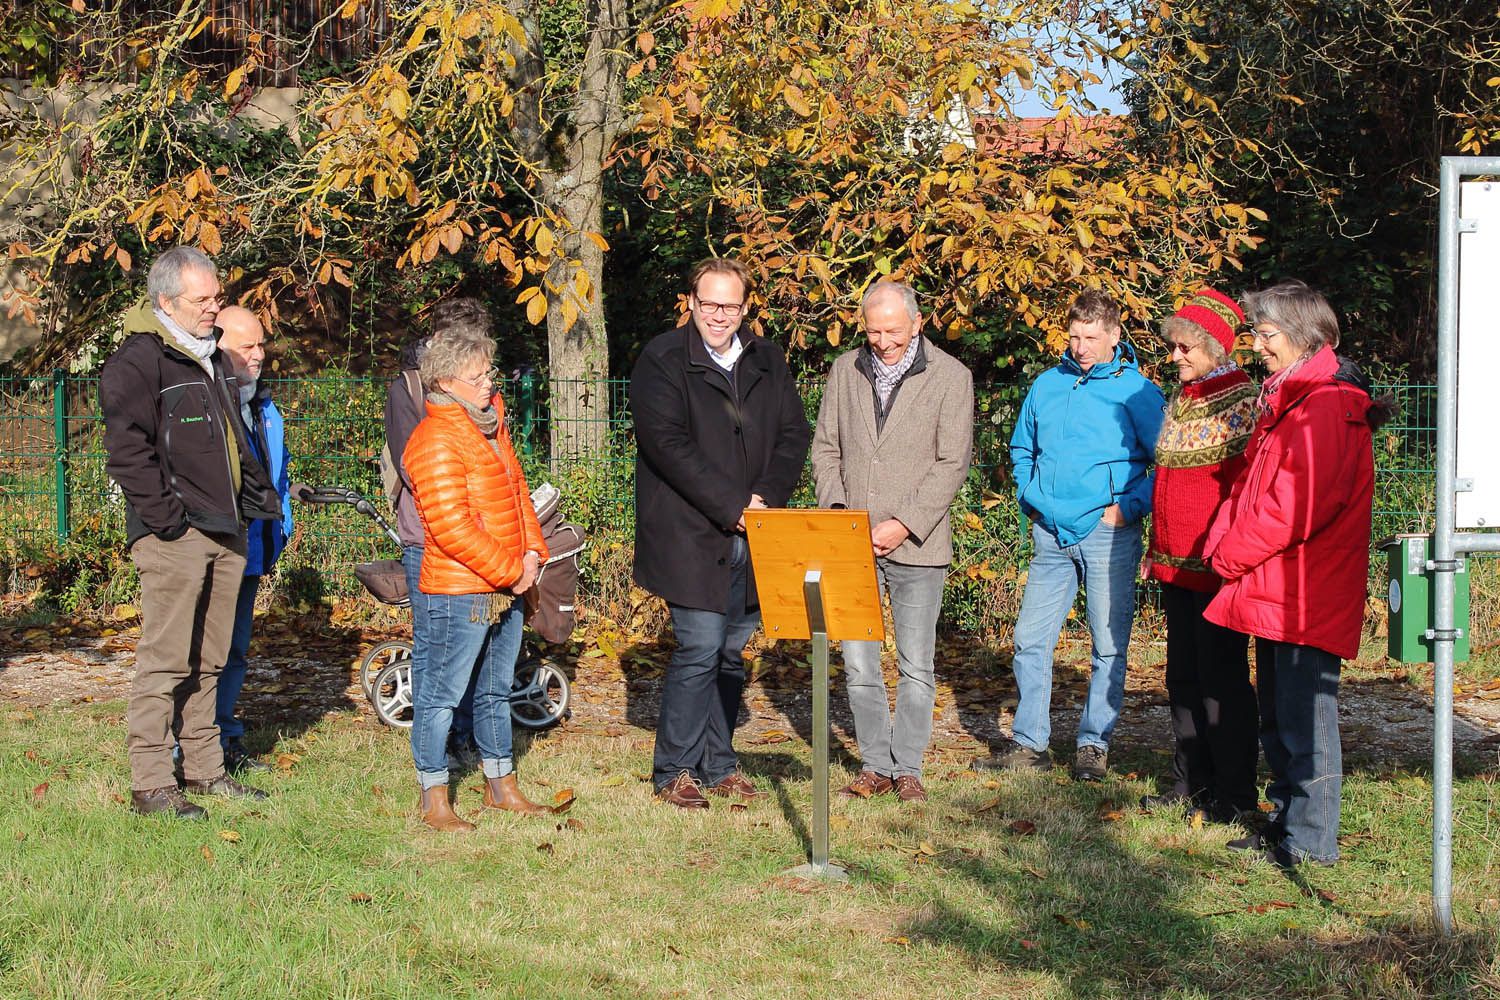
(398, 102)
(712, 10)
(350, 8)
(954, 151)
(536, 310)
(469, 25)
(234, 81)
(544, 241)
(645, 42)
(794, 98)
(229, 836)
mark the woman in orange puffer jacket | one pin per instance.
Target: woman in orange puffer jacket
(482, 551)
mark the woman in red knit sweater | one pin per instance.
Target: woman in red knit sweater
(1200, 453)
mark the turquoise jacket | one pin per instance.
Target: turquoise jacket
(1085, 440)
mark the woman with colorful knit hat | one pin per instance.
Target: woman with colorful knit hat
(1200, 453)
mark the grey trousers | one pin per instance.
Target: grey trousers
(888, 746)
(189, 588)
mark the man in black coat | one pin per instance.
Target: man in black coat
(719, 428)
(178, 450)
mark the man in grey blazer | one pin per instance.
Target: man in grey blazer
(895, 434)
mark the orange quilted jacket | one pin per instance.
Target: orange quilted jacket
(477, 519)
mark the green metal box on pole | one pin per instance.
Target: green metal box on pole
(1411, 601)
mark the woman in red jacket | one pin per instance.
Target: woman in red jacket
(1293, 546)
(482, 551)
(1199, 455)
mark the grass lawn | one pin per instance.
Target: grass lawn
(1027, 886)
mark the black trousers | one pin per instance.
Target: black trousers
(1214, 716)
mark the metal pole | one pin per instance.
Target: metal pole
(526, 398)
(1445, 549)
(60, 452)
(1442, 550)
(819, 866)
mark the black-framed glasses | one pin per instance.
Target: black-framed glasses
(730, 309)
(480, 381)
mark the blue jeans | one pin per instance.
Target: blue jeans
(1106, 561)
(1298, 689)
(895, 749)
(463, 716)
(700, 698)
(232, 677)
(465, 651)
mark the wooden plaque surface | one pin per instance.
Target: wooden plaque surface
(786, 543)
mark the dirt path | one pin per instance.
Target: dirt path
(303, 667)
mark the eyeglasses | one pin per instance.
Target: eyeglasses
(730, 309)
(1256, 333)
(479, 381)
(202, 301)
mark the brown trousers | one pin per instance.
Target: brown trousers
(188, 592)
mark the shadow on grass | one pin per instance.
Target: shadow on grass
(1072, 899)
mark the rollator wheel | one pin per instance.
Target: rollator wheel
(539, 696)
(377, 659)
(391, 694)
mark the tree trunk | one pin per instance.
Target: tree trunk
(578, 353)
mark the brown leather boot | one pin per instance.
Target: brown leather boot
(437, 811)
(504, 793)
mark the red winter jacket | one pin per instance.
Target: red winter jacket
(475, 508)
(1292, 542)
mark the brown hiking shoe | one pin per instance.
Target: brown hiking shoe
(683, 792)
(865, 786)
(736, 784)
(909, 789)
(166, 800)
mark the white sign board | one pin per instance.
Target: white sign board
(1479, 356)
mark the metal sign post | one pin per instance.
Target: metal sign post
(1447, 542)
(815, 577)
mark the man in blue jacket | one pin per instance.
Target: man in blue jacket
(243, 342)
(1081, 454)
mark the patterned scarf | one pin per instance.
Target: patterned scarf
(1272, 385)
(887, 377)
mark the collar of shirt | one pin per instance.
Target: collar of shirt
(729, 357)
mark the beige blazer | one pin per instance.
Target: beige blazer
(913, 467)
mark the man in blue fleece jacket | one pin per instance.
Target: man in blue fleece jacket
(1081, 454)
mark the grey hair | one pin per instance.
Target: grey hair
(1176, 326)
(1298, 311)
(464, 314)
(165, 276)
(900, 289)
(450, 351)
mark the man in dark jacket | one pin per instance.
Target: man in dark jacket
(719, 428)
(190, 480)
(242, 340)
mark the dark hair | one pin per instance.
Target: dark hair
(462, 315)
(1094, 306)
(720, 265)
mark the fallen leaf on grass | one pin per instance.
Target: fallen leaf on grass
(903, 941)
(1028, 944)
(838, 822)
(984, 807)
(571, 824)
(229, 836)
(285, 762)
(1022, 827)
(546, 847)
(1195, 819)
(1328, 895)
(39, 793)
(771, 736)
(737, 807)
(992, 784)
(31, 755)
(359, 897)
(926, 848)
(1109, 812)
(1077, 923)
(117, 798)
(563, 800)
(1275, 904)
(612, 781)
(208, 854)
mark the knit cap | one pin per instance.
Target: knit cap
(1216, 312)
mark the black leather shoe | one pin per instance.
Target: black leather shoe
(226, 786)
(166, 800)
(238, 761)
